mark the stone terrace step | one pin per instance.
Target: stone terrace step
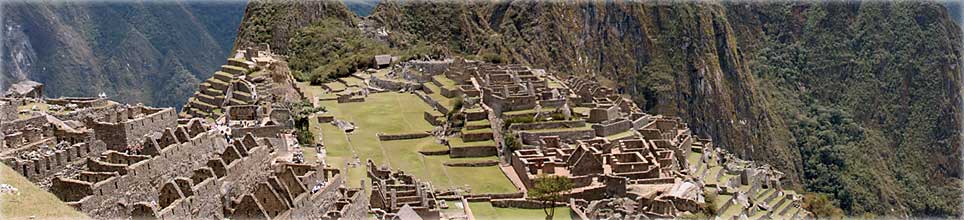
(205, 98)
(223, 76)
(213, 92)
(237, 62)
(237, 102)
(218, 84)
(234, 70)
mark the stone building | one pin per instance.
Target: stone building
(393, 191)
(25, 89)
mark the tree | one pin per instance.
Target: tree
(301, 111)
(550, 189)
(821, 206)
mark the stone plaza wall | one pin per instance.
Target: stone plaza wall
(548, 125)
(270, 131)
(394, 85)
(476, 136)
(434, 118)
(473, 151)
(431, 67)
(613, 127)
(404, 136)
(432, 102)
(533, 138)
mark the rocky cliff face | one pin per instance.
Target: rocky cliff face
(132, 51)
(857, 100)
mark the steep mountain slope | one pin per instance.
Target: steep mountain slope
(361, 7)
(857, 100)
(133, 51)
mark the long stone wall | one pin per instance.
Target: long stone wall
(428, 100)
(394, 85)
(473, 151)
(548, 125)
(532, 138)
(405, 136)
(612, 128)
(263, 131)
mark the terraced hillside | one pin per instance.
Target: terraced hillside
(228, 86)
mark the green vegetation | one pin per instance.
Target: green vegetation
(549, 190)
(485, 211)
(301, 111)
(711, 196)
(870, 111)
(510, 141)
(331, 49)
(821, 206)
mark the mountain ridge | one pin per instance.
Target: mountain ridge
(133, 52)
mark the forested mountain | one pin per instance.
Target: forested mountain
(139, 51)
(858, 100)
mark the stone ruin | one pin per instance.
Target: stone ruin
(231, 154)
(109, 160)
(395, 194)
(615, 154)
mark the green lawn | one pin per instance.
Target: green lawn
(336, 85)
(352, 81)
(484, 122)
(393, 112)
(32, 201)
(485, 211)
(445, 81)
(457, 142)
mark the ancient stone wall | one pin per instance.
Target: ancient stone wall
(612, 127)
(270, 131)
(36, 121)
(481, 163)
(404, 136)
(432, 102)
(532, 138)
(170, 157)
(80, 102)
(131, 132)
(394, 85)
(431, 67)
(243, 112)
(473, 151)
(43, 167)
(476, 136)
(432, 118)
(106, 111)
(548, 125)
(8, 111)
